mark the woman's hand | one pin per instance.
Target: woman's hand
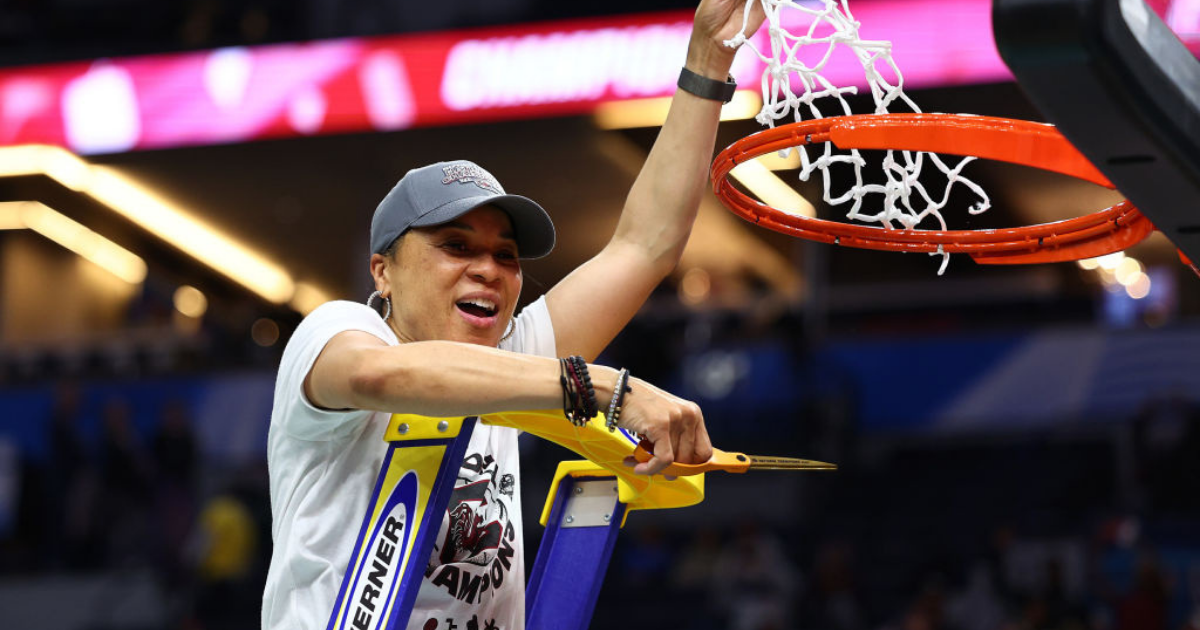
(674, 425)
(716, 22)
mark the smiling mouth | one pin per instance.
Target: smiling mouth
(478, 308)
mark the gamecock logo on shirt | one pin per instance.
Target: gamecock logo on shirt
(473, 532)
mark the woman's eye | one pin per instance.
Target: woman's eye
(455, 246)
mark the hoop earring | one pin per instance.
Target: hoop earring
(387, 302)
(509, 332)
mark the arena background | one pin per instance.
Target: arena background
(1018, 445)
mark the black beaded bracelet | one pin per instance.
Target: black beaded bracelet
(618, 399)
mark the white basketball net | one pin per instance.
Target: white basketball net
(794, 83)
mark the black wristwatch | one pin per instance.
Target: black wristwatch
(705, 87)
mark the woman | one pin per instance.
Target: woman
(442, 340)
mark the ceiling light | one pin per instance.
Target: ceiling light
(1139, 286)
(307, 298)
(22, 160)
(10, 216)
(651, 112)
(264, 332)
(190, 235)
(66, 168)
(772, 190)
(74, 236)
(745, 105)
(1126, 270)
(158, 216)
(776, 162)
(190, 301)
(695, 286)
(1109, 262)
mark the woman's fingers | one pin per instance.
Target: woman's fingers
(675, 426)
(663, 457)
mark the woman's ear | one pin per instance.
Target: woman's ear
(379, 265)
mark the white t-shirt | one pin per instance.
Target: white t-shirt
(324, 464)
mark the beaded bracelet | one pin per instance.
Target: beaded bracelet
(586, 391)
(568, 396)
(579, 398)
(618, 399)
(571, 405)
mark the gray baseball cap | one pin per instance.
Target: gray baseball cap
(435, 194)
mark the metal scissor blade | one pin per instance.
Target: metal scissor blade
(787, 463)
(731, 462)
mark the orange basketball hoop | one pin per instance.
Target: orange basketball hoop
(1016, 141)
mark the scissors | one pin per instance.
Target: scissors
(731, 462)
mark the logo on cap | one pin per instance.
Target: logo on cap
(472, 174)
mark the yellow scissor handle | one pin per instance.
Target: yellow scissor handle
(720, 460)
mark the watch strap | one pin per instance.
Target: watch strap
(705, 87)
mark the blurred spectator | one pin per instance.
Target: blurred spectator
(999, 561)
(978, 606)
(1144, 607)
(20, 511)
(125, 498)
(73, 493)
(927, 611)
(692, 573)
(646, 560)
(1049, 607)
(175, 448)
(229, 540)
(226, 546)
(175, 464)
(1192, 618)
(1166, 438)
(1060, 611)
(833, 600)
(754, 583)
(1180, 486)
(693, 569)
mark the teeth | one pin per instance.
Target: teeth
(481, 303)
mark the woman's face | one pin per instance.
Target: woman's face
(458, 281)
